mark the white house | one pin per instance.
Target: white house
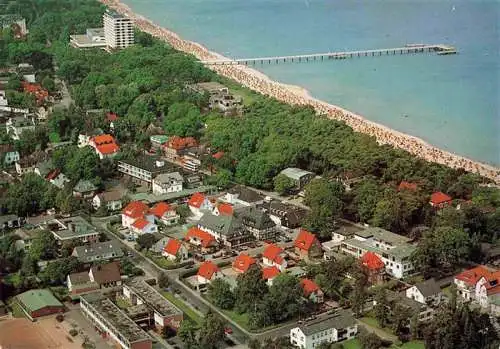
(427, 292)
(208, 272)
(274, 256)
(467, 280)
(335, 328)
(135, 210)
(165, 213)
(142, 226)
(486, 288)
(167, 183)
(111, 199)
(199, 204)
(174, 249)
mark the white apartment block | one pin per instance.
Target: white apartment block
(118, 30)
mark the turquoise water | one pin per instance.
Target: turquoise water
(452, 102)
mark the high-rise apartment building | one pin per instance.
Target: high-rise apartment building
(118, 30)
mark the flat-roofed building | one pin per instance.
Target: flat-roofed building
(299, 177)
(161, 311)
(74, 229)
(118, 30)
(394, 250)
(93, 38)
(143, 168)
(113, 323)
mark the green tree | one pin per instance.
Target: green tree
(44, 246)
(381, 308)
(283, 184)
(250, 289)
(221, 295)
(146, 241)
(187, 333)
(163, 281)
(211, 331)
(55, 272)
(49, 84)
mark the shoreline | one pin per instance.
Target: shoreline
(296, 95)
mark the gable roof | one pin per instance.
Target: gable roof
(438, 198)
(196, 200)
(305, 240)
(472, 276)
(270, 272)
(180, 143)
(273, 253)
(308, 286)
(254, 217)
(172, 247)
(372, 261)
(225, 209)
(103, 139)
(428, 288)
(141, 223)
(107, 149)
(227, 226)
(218, 155)
(79, 278)
(98, 250)
(205, 238)
(135, 209)
(110, 117)
(208, 269)
(83, 186)
(245, 194)
(160, 209)
(243, 262)
(105, 273)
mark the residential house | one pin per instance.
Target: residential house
(334, 328)
(299, 177)
(84, 138)
(99, 251)
(312, 291)
(111, 321)
(98, 277)
(142, 169)
(307, 245)
(159, 245)
(112, 200)
(57, 178)
(142, 226)
(74, 230)
(133, 211)
(177, 146)
(374, 266)
(157, 141)
(257, 222)
(227, 229)
(111, 119)
(269, 274)
(199, 204)
(10, 221)
(208, 272)
(39, 302)
(104, 145)
(485, 290)
(243, 196)
(44, 168)
(41, 94)
(27, 164)
(193, 180)
(84, 189)
(394, 250)
(160, 311)
(243, 262)
(426, 292)
(175, 250)
(8, 154)
(165, 213)
(17, 125)
(286, 215)
(467, 280)
(224, 209)
(440, 200)
(43, 112)
(423, 312)
(203, 240)
(167, 183)
(274, 256)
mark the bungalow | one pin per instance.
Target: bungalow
(440, 200)
(201, 239)
(104, 145)
(374, 266)
(199, 204)
(243, 262)
(175, 250)
(84, 189)
(307, 245)
(208, 272)
(311, 291)
(165, 213)
(133, 211)
(98, 277)
(269, 274)
(274, 256)
(427, 292)
(112, 200)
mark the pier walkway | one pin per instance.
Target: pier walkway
(408, 49)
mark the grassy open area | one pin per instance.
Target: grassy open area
(188, 311)
(370, 321)
(410, 345)
(241, 319)
(352, 344)
(161, 261)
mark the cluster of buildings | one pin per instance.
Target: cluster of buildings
(140, 219)
(219, 98)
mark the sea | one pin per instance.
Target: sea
(452, 101)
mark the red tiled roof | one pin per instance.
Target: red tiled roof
(225, 209)
(305, 240)
(407, 185)
(172, 247)
(243, 262)
(218, 155)
(372, 261)
(103, 139)
(53, 174)
(135, 209)
(208, 269)
(439, 198)
(107, 149)
(472, 276)
(270, 273)
(111, 117)
(180, 143)
(160, 209)
(273, 252)
(196, 200)
(140, 223)
(308, 286)
(40, 93)
(205, 238)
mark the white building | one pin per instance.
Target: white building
(94, 37)
(338, 327)
(427, 292)
(393, 249)
(111, 199)
(118, 30)
(167, 183)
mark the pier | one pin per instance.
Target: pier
(408, 49)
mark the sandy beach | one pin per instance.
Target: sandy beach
(259, 82)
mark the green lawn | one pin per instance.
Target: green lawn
(161, 261)
(410, 345)
(351, 344)
(241, 319)
(188, 311)
(370, 321)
